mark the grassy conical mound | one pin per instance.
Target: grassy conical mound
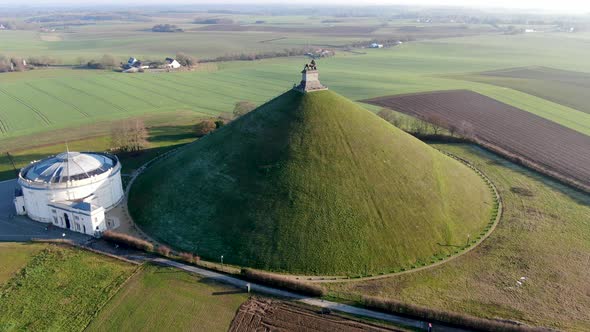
(311, 183)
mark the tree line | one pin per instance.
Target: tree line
(132, 136)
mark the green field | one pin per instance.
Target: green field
(60, 289)
(73, 40)
(14, 256)
(563, 87)
(375, 198)
(43, 101)
(544, 236)
(159, 298)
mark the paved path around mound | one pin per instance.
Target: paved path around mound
(335, 306)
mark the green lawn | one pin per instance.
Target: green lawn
(158, 299)
(13, 256)
(60, 289)
(544, 235)
(375, 198)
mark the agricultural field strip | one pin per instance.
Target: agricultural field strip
(527, 137)
(176, 99)
(567, 117)
(235, 85)
(65, 102)
(275, 86)
(199, 88)
(120, 91)
(35, 110)
(4, 127)
(91, 95)
(494, 136)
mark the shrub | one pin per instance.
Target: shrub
(187, 257)
(127, 240)
(465, 321)
(164, 251)
(282, 282)
(186, 60)
(204, 127)
(243, 107)
(219, 124)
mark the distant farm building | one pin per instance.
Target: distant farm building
(2, 27)
(172, 63)
(72, 190)
(375, 45)
(131, 62)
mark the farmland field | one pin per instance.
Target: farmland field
(258, 314)
(552, 148)
(43, 101)
(544, 236)
(160, 298)
(564, 87)
(60, 289)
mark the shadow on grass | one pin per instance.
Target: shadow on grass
(177, 133)
(228, 292)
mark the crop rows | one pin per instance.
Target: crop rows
(35, 110)
(535, 141)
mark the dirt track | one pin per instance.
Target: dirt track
(530, 139)
(258, 314)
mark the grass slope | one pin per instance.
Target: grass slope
(544, 236)
(159, 299)
(312, 184)
(60, 289)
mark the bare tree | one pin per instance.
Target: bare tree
(466, 130)
(205, 127)
(243, 107)
(386, 114)
(186, 60)
(436, 123)
(129, 136)
(5, 64)
(418, 127)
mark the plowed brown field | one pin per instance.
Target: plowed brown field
(534, 141)
(259, 314)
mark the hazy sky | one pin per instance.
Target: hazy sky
(574, 6)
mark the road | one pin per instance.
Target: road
(335, 306)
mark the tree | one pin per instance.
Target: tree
(386, 114)
(186, 60)
(129, 136)
(80, 61)
(219, 123)
(108, 61)
(418, 127)
(204, 127)
(4, 64)
(466, 129)
(243, 107)
(436, 123)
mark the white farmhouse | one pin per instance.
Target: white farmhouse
(172, 63)
(375, 45)
(72, 190)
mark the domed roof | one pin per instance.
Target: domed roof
(69, 166)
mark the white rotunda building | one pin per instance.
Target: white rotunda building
(72, 190)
